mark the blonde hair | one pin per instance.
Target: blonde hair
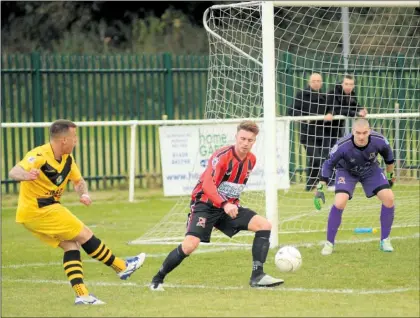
(249, 125)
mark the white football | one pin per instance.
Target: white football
(288, 259)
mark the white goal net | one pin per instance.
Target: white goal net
(377, 46)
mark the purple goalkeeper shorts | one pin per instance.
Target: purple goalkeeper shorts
(372, 184)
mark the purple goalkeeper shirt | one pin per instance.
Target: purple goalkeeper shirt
(358, 161)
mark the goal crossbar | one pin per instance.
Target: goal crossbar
(260, 58)
(326, 3)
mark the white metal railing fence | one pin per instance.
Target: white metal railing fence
(134, 123)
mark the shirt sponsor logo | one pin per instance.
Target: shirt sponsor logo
(56, 193)
(31, 159)
(230, 189)
(59, 180)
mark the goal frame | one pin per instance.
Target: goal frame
(269, 79)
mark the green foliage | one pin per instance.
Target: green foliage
(172, 32)
(71, 27)
(373, 31)
(45, 23)
(67, 27)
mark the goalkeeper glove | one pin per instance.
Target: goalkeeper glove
(390, 178)
(319, 195)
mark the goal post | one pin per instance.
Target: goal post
(261, 54)
(270, 134)
(297, 214)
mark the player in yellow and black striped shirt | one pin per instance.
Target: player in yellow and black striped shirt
(44, 173)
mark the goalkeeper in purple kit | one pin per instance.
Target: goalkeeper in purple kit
(355, 159)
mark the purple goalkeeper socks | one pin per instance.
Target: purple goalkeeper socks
(387, 218)
(334, 221)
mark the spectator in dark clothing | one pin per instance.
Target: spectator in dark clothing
(314, 134)
(342, 100)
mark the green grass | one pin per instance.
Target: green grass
(357, 280)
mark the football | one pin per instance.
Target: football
(288, 259)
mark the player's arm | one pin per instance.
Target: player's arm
(387, 154)
(214, 171)
(81, 188)
(28, 168)
(336, 154)
(327, 170)
(80, 185)
(19, 174)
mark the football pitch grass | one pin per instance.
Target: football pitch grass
(356, 280)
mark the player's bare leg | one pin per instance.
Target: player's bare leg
(260, 247)
(387, 218)
(334, 221)
(174, 258)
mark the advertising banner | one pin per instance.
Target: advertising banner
(185, 151)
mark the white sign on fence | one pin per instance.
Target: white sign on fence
(186, 149)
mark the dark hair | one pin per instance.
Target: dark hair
(349, 77)
(61, 126)
(249, 125)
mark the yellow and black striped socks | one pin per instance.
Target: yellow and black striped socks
(72, 264)
(99, 251)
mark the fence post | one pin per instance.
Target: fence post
(288, 70)
(397, 143)
(132, 176)
(37, 97)
(401, 92)
(169, 86)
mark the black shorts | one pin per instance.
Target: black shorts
(203, 218)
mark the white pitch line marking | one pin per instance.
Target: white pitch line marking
(180, 286)
(210, 250)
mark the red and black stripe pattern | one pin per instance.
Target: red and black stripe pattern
(225, 170)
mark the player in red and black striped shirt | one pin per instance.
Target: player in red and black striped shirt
(215, 203)
(224, 178)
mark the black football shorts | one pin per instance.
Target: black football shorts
(203, 218)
